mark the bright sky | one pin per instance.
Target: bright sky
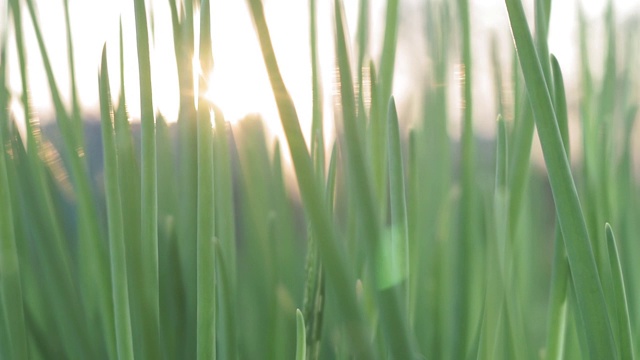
(240, 83)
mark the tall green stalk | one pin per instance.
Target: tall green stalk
(463, 267)
(206, 321)
(182, 16)
(149, 189)
(619, 299)
(397, 195)
(560, 275)
(117, 251)
(301, 346)
(226, 230)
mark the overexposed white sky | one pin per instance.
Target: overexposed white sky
(240, 83)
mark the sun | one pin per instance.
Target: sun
(237, 94)
(238, 83)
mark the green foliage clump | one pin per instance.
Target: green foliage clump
(191, 244)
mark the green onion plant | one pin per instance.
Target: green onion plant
(395, 238)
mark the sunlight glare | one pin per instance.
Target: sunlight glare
(17, 111)
(238, 97)
(197, 71)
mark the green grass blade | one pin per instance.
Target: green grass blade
(381, 90)
(226, 228)
(542, 20)
(206, 320)
(75, 102)
(285, 255)
(301, 346)
(186, 223)
(560, 104)
(124, 339)
(558, 301)
(314, 296)
(313, 300)
(397, 195)
(520, 158)
(171, 288)
(524, 128)
(498, 269)
(129, 173)
(317, 126)
(331, 175)
(501, 196)
(313, 304)
(388, 57)
(362, 48)
(609, 88)
(63, 118)
(463, 281)
(501, 155)
(496, 68)
(122, 107)
(362, 192)
(377, 139)
(625, 338)
(557, 321)
(610, 92)
(262, 195)
(149, 189)
(589, 294)
(380, 98)
(226, 290)
(558, 304)
(362, 44)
